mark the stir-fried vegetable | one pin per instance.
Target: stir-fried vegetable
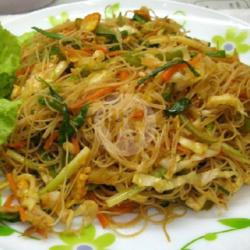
(67, 171)
(168, 65)
(202, 136)
(122, 196)
(178, 107)
(48, 34)
(230, 151)
(99, 121)
(9, 217)
(217, 53)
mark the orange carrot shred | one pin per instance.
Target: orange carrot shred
(103, 219)
(114, 53)
(91, 97)
(17, 145)
(138, 114)
(8, 201)
(182, 149)
(104, 49)
(167, 74)
(123, 208)
(23, 214)
(196, 59)
(50, 140)
(123, 75)
(12, 182)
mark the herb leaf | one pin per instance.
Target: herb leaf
(140, 19)
(48, 34)
(178, 107)
(217, 53)
(80, 118)
(10, 217)
(6, 231)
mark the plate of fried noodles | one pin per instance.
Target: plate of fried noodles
(124, 126)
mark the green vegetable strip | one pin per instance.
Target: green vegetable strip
(202, 136)
(246, 126)
(231, 152)
(20, 159)
(103, 30)
(218, 53)
(79, 120)
(67, 171)
(167, 66)
(124, 195)
(178, 107)
(10, 217)
(66, 130)
(139, 18)
(48, 34)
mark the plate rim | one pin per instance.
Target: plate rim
(92, 2)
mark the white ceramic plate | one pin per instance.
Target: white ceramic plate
(214, 229)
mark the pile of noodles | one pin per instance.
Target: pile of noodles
(139, 157)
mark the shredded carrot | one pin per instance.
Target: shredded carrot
(123, 208)
(24, 70)
(104, 49)
(123, 75)
(196, 60)
(23, 214)
(138, 115)
(76, 145)
(115, 53)
(32, 230)
(89, 51)
(103, 219)
(48, 143)
(183, 150)
(167, 74)
(92, 96)
(17, 145)
(12, 182)
(75, 54)
(8, 202)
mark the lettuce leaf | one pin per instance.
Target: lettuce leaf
(8, 115)
(6, 85)
(25, 37)
(10, 52)
(10, 57)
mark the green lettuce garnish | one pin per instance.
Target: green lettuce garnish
(10, 57)
(8, 114)
(6, 85)
(27, 36)
(10, 52)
